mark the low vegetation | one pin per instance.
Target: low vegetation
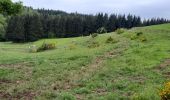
(102, 30)
(110, 39)
(165, 92)
(94, 35)
(120, 31)
(46, 46)
(86, 68)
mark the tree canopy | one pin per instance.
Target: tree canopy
(7, 7)
(41, 23)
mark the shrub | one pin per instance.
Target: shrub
(32, 49)
(46, 46)
(120, 31)
(165, 92)
(111, 40)
(94, 35)
(102, 30)
(93, 44)
(139, 33)
(143, 39)
(133, 37)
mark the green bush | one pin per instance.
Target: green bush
(93, 44)
(120, 31)
(143, 39)
(46, 46)
(111, 40)
(133, 37)
(102, 30)
(94, 35)
(139, 33)
(32, 49)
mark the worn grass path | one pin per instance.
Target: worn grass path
(75, 78)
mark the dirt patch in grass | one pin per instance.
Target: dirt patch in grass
(162, 68)
(16, 65)
(4, 81)
(101, 91)
(138, 79)
(27, 95)
(164, 64)
(166, 74)
(79, 97)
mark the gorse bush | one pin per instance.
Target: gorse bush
(165, 92)
(139, 33)
(92, 44)
(102, 30)
(111, 40)
(94, 35)
(46, 46)
(120, 30)
(138, 36)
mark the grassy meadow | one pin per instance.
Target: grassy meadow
(128, 69)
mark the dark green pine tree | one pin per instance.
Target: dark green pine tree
(129, 23)
(111, 25)
(16, 32)
(35, 28)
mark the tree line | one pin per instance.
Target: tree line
(35, 24)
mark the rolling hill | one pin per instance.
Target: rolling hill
(133, 67)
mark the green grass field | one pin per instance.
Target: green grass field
(126, 70)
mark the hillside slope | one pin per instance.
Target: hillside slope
(126, 69)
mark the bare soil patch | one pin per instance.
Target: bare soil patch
(164, 64)
(27, 95)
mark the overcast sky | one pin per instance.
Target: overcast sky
(143, 8)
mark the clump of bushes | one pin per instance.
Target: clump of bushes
(94, 35)
(102, 30)
(165, 92)
(32, 49)
(138, 35)
(143, 39)
(120, 30)
(93, 44)
(133, 36)
(46, 46)
(111, 40)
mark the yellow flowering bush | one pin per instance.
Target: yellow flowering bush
(165, 92)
